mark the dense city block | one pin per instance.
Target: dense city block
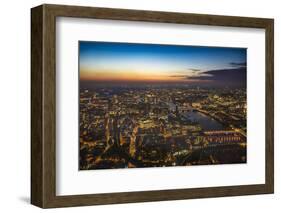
(158, 126)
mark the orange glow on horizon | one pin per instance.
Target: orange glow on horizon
(132, 75)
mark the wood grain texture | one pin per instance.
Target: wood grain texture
(36, 106)
(269, 118)
(43, 105)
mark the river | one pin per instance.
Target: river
(206, 122)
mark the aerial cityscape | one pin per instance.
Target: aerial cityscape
(152, 105)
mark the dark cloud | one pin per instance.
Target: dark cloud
(178, 76)
(235, 64)
(195, 70)
(186, 73)
(232, 77)
(224, 77)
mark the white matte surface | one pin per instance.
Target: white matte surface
(71, 181)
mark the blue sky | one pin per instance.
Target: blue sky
(113, 61)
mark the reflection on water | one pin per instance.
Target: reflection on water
(207, 123)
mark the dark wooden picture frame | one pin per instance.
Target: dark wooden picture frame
(43, 105)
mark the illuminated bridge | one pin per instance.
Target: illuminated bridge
(224, 137)
(222, 147)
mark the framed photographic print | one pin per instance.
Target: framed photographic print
(136, 106)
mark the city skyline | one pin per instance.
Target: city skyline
(110, 62)
(151, 105)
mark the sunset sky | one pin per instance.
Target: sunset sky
(107, 61)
